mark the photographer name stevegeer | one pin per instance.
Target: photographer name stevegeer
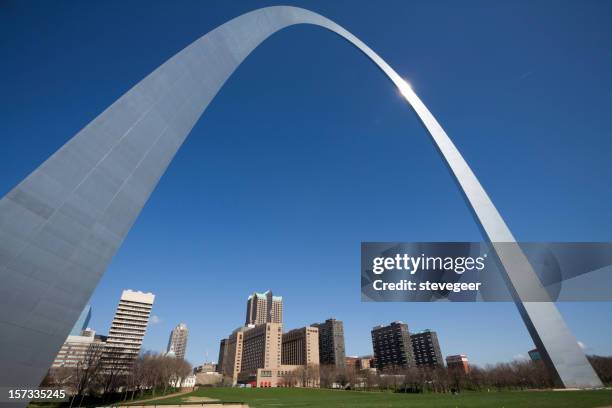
(407, 285)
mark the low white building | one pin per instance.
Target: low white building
(79, 350)
(187, 382)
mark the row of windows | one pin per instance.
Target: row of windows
(121, 326)
(133, 303)
(134, 332)
(136, 310)
(130, 320)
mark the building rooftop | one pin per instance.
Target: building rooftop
(243, 328)
(137, 296)
(265, 295)
(387, 325)
(457, 357)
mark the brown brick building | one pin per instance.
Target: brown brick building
(458, 362)
(301, 346)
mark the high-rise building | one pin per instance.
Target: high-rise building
(262, 347)
(80, 351)
(300, 346)
(249, 349)
(261, 356)
(82, 323)
(177, 343)
(392, 346)
(222, 355)
(458, 362)
(331, 342)
(127, 330)
(232, 355)
(264, 308)
(426, 349)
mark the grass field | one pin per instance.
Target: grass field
(314, 398)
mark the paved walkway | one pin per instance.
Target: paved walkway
(176, 394)
(192, 403)
(213, 405)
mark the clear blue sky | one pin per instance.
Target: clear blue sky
(308, 150)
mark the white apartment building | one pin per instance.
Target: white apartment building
(128, 329)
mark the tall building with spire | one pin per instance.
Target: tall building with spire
(82, 323)
(177, 343)
(264, 308)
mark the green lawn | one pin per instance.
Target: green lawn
(314, 398)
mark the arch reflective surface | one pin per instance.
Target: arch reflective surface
(61, 226)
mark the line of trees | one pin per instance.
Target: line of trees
(304, 376)
(516, 375)
(157, 372)
(102, 375)
(603, 368)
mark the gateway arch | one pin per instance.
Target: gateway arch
(61, 226)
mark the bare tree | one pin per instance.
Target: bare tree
(290, 378)
(62, 377)
(327, 375)
(137, 378)
(149, 375)
(86, 370)
(179, 370)
(370, 378)
(301, 376)
(341, 378)
(157, 371)
(603, 367)
(115, 364)
(351, 375)
(522, 374)
(312, 375)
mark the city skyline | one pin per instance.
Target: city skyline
(328, 341)
(212, 355)
(423, 346)
(197, 258)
